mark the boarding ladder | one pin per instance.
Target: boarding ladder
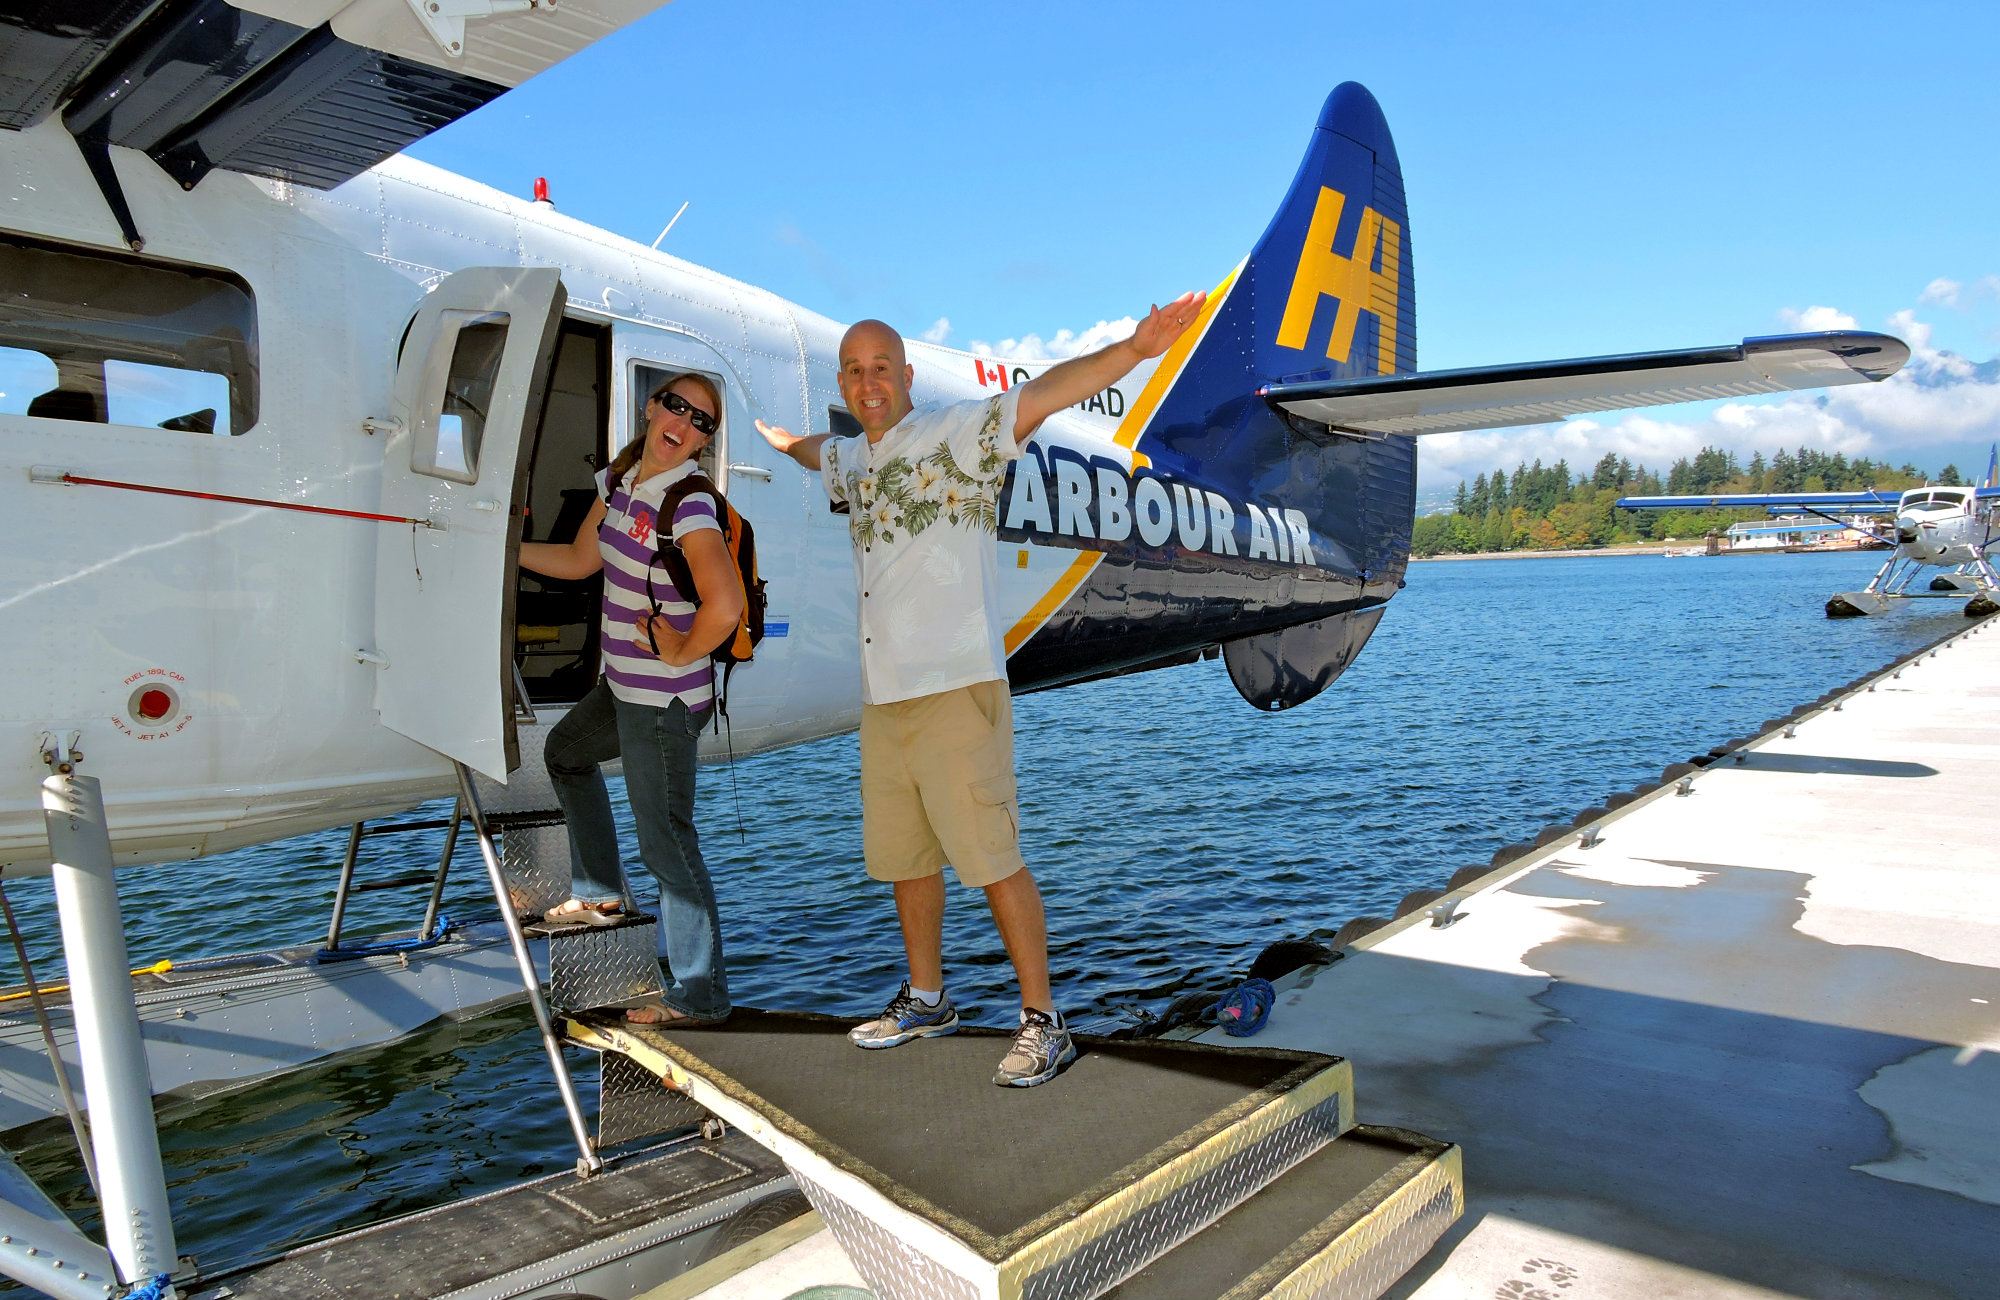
(523, 843)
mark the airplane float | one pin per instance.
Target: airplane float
(279, 405)
(1930, 527)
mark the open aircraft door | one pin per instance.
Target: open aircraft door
(472, 372)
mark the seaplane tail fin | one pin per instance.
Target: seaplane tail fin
(1326, 291)
(1992, 479)
(1540, 392)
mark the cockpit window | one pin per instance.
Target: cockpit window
(109, 338)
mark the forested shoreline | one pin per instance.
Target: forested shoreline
(1548, 508)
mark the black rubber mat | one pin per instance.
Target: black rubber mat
(438, 1251)
(925, 1124)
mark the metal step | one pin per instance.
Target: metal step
(941, 1186)
(534, 857)
(634, 1103)
(1343, 1224)
(592, 966)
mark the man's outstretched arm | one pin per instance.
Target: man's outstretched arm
(1074, 380)
(804, 450)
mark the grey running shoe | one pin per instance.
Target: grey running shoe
(1041, 1049)
(905, 1018)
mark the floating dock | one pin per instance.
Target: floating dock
(1731, 1034)
(1743, 1043)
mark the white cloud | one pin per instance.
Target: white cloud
(1940, 293)
(939, 331)
(1987, 286)
(1815, 318)
(1064, 343)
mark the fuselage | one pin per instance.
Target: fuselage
(218, 660)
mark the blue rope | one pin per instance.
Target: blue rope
(417, 944)
(1244, 1009)
(153, 1290)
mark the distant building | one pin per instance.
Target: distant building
(1797, 533)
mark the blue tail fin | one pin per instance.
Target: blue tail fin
(1326, 293)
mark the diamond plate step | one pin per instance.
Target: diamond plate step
(594, 966)
(528, 790)
(534, 857)
(633, 1103)
(1343, 1224)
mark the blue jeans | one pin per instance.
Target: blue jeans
(657, 745)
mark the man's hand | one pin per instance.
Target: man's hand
(804, 450)
(1163, 325)
(1073, 380)
(781, 438)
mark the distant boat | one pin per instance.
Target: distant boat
(1676, 552)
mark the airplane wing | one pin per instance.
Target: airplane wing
(1870, 501)
(1837, 503)
(1538, 392)
(311, 91)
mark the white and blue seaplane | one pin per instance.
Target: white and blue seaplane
(278, 407)
(1947, 527)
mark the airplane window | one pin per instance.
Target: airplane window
(111, 338)
(24, 376)
(468, 395)
(166, 397)
(645, 379)
(840, 422)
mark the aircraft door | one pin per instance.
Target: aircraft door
(472, 371)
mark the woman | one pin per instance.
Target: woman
(654, 696)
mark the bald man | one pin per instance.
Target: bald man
(937, 724)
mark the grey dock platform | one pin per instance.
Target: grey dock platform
(1743, 1045)
(938, 1184)
(556, 1234)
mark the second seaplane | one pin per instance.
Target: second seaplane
(1947, 527)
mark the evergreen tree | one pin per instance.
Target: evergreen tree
(1948, 477)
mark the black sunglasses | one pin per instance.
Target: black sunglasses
(681, 406)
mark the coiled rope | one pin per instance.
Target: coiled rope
(1244, 1009)
(416, 943)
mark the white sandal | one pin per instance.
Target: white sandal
(578, 912)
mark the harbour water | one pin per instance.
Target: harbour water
(1175, 831)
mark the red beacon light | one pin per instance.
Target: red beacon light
(542, 191)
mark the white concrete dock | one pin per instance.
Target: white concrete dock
(1743, 1046)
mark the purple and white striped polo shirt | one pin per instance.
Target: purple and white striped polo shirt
(625, 540)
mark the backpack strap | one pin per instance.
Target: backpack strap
(666, 550)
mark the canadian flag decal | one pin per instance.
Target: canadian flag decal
(989, 375)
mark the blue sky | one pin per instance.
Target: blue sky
(1582, 179)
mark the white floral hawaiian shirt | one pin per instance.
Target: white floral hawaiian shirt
(922, 514)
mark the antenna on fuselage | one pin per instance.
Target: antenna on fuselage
(670, 224)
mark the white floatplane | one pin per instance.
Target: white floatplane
(280, 406)
(1931, 527)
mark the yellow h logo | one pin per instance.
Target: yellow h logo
(1353, 282)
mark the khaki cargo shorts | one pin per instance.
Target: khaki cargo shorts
(937, 786)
